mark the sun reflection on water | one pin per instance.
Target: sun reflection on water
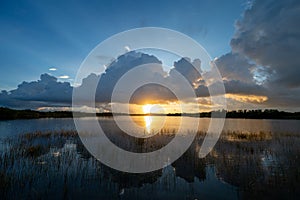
(148, 122)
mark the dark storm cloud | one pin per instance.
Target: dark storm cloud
(265, 54)
(239, 87)
(233, 66)
(233, 87)
(269, 34)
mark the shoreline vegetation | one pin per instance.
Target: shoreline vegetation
(11, 114)
(255, 165)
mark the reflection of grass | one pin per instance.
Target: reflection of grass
(263, 165)
(34, 151)
(289, 134)
(38, 143)
(253, 161)
(4, 181)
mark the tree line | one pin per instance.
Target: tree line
(8, 114)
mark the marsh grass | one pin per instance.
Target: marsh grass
(55, 164)
(48, 134)
(4, 181)
(247, 136)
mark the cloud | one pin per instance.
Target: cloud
(240, 87)
(46, 91)
(49, 92)
(247, 98)
(234, 66)
(269, 34)
(127, 48)
(238, 70)
(150, 93)
(186, 67)
(264, 64)
(118, 68)
(64, 77)
(233, 87)
(265, 54)
(155, 93)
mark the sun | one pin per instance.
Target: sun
(147, 108)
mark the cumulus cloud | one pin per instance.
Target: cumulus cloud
(240, 87)
(233, 87)
(152, 94)
(48, 91)
(34, 94)
(269, 34)
(186, 67)
(265, 54)
(262, 69)
(234, 66)
(155, 93)
(121, 66)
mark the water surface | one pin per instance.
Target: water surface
(253, 159)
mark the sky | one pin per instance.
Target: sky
(256, 45)
(38, 35)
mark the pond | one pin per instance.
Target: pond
(45, 158)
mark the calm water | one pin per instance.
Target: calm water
(241, 166)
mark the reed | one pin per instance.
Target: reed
(56, 163)
(247, 136)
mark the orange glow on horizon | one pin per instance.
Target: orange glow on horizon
(247, 98)
(147, 108)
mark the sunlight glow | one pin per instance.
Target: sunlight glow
(247, 98)
(147, 108)
(148, 121)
